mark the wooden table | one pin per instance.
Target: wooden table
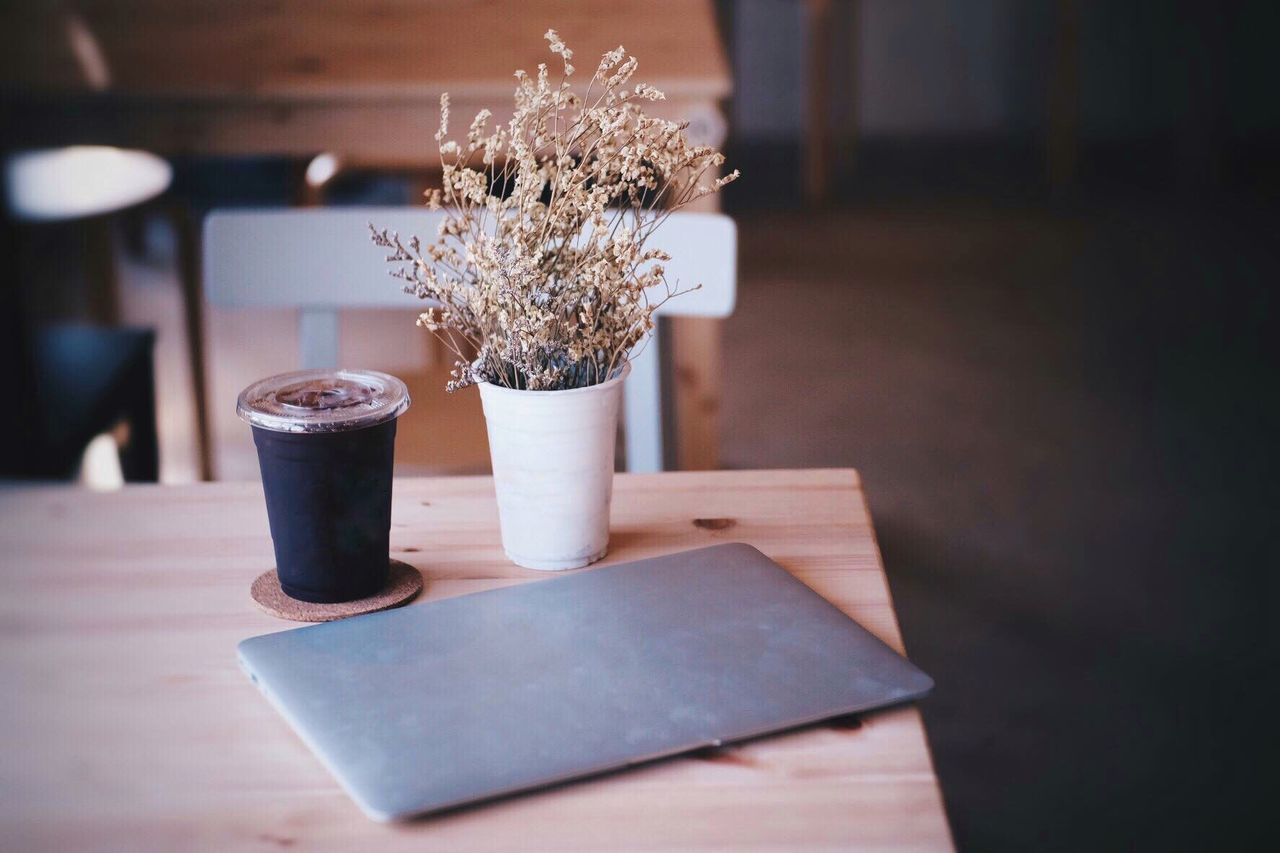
(360, 79)
(128, 724)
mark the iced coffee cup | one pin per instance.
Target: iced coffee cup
(326, 443)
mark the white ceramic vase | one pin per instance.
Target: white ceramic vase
(552, 454)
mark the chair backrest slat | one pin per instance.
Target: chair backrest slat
(322, 257)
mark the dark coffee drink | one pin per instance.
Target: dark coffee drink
(326, 445)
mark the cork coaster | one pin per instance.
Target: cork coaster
(403, 583)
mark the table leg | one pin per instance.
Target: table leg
(187, 225)
(818, 132)
(695, 374)
(695, 369)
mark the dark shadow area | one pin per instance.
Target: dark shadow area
(1065, 434)
(1034, 305)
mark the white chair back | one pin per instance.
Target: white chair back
(320, 260)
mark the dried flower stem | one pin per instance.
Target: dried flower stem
(540, 276)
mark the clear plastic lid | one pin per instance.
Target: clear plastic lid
(310, 401)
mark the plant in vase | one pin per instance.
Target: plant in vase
(541, 284)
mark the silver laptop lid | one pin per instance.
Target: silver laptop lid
(458, 700)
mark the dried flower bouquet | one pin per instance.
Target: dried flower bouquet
(540, 275)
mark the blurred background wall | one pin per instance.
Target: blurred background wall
(947, 93)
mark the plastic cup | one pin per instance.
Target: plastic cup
(326, 445)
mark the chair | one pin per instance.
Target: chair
(87, 380)
(320, 260)
(77, 381)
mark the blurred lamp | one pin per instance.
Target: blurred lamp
(321, 169)
(81, 180)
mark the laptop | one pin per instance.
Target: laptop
(455, 701)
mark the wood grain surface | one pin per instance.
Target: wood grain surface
(361, 79)
(369, 48)
(129, 726)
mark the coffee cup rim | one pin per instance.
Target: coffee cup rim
(386, 397)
